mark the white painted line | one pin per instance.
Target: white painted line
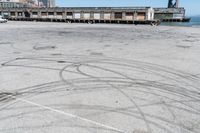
(68, 114)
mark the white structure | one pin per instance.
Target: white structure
(150, 14)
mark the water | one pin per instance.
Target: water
(194, 22)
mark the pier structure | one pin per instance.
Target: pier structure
(171, 14)
(132, 15)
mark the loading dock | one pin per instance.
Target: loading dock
(141, 16)
(59, 15)
(44, 14)
(77, 15)
(69, 15)
(35, 14)
(50, 14)
(107, 16)
(129, 15)
(118, 15)
(97, 16)
(86, 15)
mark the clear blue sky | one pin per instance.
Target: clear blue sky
(192, 6)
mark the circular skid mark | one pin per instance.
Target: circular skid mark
(183, 46)
(6, 96)
(60, 61)
(16, 52)
(44, 47)
(96, 53)
(157, 97)
(167, 89)
(107, 45)
(64, 33)
(56, 54)
(2, 43)
(191, 40)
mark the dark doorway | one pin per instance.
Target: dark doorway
(27, 14)
(118, 15)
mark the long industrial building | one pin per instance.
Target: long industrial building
(84, 14)
(44, 12)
